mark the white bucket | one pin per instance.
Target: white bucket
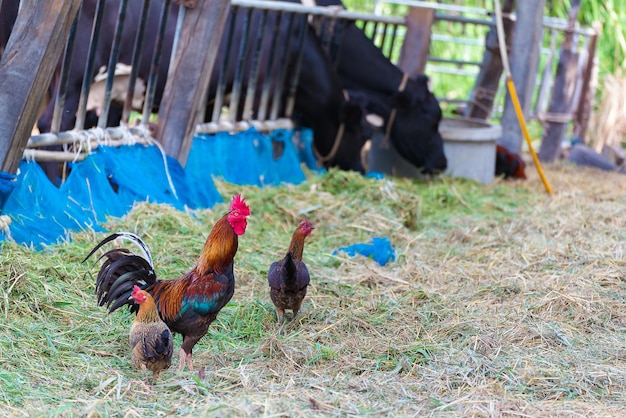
(470, 148)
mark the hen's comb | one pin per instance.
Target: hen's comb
(306, 227)
(239, 204)
(136, 290)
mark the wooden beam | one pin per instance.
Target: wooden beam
(188, 80)
(416, 46)
(26, 69)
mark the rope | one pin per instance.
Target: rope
(5, 222)
(333, 151)
(338, 138)
(154, 142)
(392, 116)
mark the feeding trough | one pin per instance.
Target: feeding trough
(469, 145)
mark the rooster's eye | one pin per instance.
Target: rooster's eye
(235, 213)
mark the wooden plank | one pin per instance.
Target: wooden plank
(31, 56)
(414, 52)
(483, 94)
(182, 106)
(562, 93)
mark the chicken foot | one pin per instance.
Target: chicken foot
(185, 358)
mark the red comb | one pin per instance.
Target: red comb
(239, 204)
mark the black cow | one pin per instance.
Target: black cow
(415, 132)
(320, 101)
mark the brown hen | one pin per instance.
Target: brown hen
(289, 277)
(150, 338)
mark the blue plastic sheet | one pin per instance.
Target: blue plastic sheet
(7, 184)
(245, 158)
(111, 179)
(88, 185)
(303, 141)
(40, 213)
(379, 249)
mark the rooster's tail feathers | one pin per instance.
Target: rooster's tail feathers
(129, 236)
(121, 271)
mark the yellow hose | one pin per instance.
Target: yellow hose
(522, 124)
(513, 93)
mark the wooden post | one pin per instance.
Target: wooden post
(562, 93)
(188, 81)
(585, 102)
(524, 59)
(414, 52)
(28, 63)
(488, 80)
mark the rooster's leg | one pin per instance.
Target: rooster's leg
(189, 365)
(145, 372)
(181, 362)
(281, 315)
(185, 358)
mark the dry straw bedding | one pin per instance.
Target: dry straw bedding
(502, 311)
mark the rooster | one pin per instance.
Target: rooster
(150, 338)
(190, 303)
(509, 163)
(289, 277)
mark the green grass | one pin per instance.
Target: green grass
(70, 353)
(498, 294)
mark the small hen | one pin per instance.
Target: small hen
(289, 277)
(150, 338)
(187, 304)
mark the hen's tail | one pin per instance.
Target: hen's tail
(290, 272)
(121, 271)
(162, 346)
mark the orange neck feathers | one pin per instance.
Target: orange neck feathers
(296, 247)
(219, 249)
(147, 310)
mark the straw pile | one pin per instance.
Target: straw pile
(502, 302)
(608, 122)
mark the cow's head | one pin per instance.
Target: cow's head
(415, 132)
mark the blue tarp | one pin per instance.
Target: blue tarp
(379, 249)
(111, 179)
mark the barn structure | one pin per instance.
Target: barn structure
(159, 108)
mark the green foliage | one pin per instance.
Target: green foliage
(450, 82)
